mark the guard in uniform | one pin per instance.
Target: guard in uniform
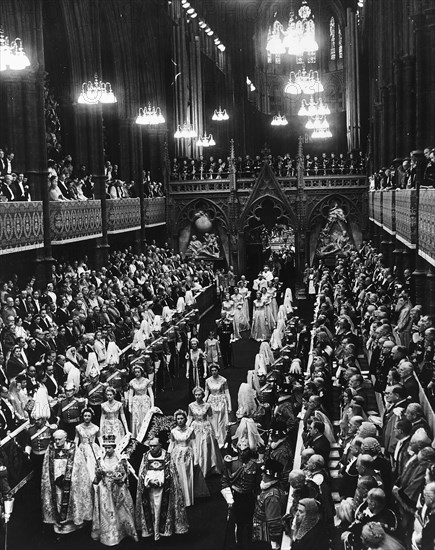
(225, 332)
(95, 393)
(270, 506)
(70, 410)
(279, 449)
(38, 438)
(266, 396)
(240, 486)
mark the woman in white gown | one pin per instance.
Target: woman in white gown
(183, 455)
(87, 441)
(208, 454)
(140, 399)
(246, 294)
(113, 419)
(218, 395)
(259, 330)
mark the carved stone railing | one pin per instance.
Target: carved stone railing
(74, 221)
(377, 207)
(426, 224)
(371, 206)
(406, 216)
(123, 215)
(336, 181)
(21, 226)
(198, 186)
(389, 212)
(155, 211)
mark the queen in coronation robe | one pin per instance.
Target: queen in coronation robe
(160, 505)
(66, 489)
(113, 518)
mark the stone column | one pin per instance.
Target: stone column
(430, 285)
(419, 277)
(407, 114)
(397, 256)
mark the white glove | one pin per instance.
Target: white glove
(228, 496)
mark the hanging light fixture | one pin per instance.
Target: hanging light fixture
(274, 42)
(303, 82)
(313, 108)
(206, 141)
(12, 55)
(221, 47)
(220, 115)
(297, 38)
(321, 134)
(279, 120)
(96, 92)
(202, 24)
(150, 116)
(185, 131)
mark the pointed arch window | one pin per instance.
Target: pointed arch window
(332, 42)
(340, 43)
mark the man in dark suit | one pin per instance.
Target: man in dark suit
(50, 381)
(318, 441)
(7, 408)
(408, 380)
(400, 456)
(7, 189)
(414, 413)
(20, 189)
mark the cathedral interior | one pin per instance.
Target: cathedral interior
(190, 62)
(198, 125)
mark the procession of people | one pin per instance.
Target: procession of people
(305, 397)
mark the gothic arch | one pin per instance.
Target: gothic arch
(213, 211)
(253, 212)
(320, 211)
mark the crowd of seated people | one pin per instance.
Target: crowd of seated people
(382, 479)
(66, 183)
(283, 166)
(402, 174)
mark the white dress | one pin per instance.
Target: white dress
(181, 449)
(110, 420)
(218, 395)
(140, 403)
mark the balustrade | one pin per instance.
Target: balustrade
(21, 226)
(426, 224)
(124, 215)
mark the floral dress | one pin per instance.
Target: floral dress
(218, 395)
(139, 402)
(110, 420)
(87, 434)
(208, 455)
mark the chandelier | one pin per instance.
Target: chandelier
(279, 120)
(321, 134)
(206, 141)
(185, 131)
(220, 115)
(150, 115)
(96, 92)
(317, 123)
(313, 108)
(297, 38)
(12, 55)
(303, 82)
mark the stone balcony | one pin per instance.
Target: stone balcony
(22, 223)
(409, 215)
